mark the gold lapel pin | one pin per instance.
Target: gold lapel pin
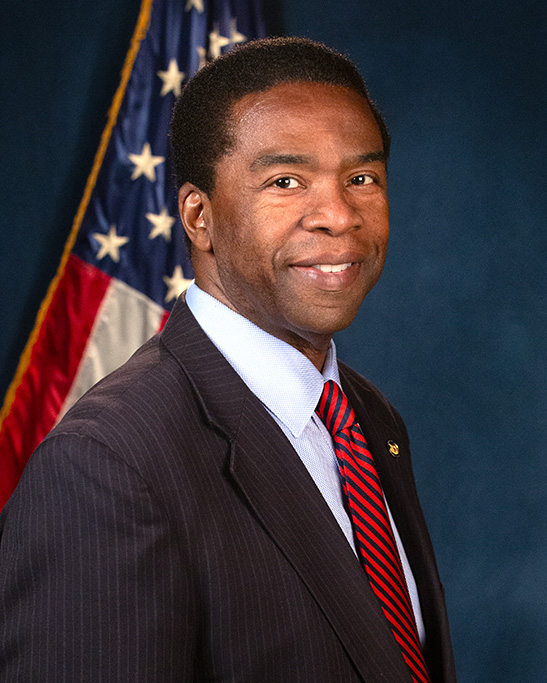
(393, 448)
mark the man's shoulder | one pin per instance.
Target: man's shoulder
(370, 396)
(141, 398)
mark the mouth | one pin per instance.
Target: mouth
(331, 268)
(329, 274)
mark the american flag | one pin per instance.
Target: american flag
(125, 261)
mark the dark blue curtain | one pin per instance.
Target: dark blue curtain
(454, 334)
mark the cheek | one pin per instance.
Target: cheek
(256, 242)
(245, 256)
(378, 223)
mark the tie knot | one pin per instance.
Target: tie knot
(334, 408)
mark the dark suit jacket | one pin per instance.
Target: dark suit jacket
(167, 531)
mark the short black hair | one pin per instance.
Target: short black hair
(200, 127)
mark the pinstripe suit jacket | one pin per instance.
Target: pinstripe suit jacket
(166, 531)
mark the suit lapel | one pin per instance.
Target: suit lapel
(399, 487)
(277, 486)
(280, 490)
(395, 472)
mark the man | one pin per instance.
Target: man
(191, 519)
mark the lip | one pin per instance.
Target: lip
(331, 282)
(329, 259)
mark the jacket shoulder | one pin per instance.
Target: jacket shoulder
(371, 397)
(138, 403)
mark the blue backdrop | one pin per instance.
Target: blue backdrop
(454, 333)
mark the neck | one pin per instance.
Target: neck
(315, 352)
(314, 345)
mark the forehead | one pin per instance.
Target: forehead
(303, 114)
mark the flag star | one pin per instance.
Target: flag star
(202, 52)
(110, 244)
(145, 163)
(162, 223)
(172, 78)
(198, 4)
(216, 43)
(235, 35)
(177, 284)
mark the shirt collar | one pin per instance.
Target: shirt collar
(286, 382)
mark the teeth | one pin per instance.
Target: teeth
(328, 268)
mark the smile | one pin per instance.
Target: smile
(329, 268)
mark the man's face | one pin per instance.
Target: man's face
(298, 220)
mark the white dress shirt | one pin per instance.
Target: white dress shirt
(289, 386)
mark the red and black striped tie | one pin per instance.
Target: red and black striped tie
(373, 534)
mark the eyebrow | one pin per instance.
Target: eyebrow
(267, 160)
(280, 159)
(372, 156)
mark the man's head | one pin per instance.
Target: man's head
(292, 230)
(200, 130)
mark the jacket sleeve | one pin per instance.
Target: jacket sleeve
(92, 582)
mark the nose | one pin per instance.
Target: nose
(332, 209)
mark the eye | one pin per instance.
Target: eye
(362, 179)
(286, 183)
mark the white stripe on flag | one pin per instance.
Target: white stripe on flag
(125, 320)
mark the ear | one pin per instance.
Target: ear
(195, 213)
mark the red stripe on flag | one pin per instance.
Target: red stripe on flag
(53, 364)
(163, 321)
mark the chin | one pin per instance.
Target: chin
(326, 326)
